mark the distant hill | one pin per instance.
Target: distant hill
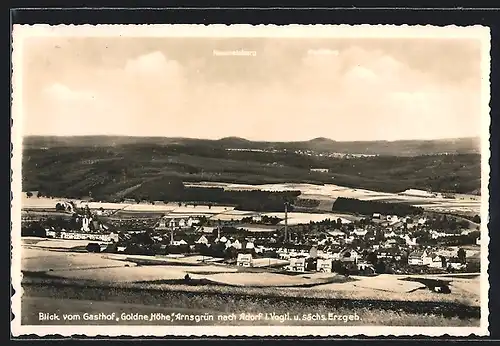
(392, 148)
(234, 141)
(118, 167)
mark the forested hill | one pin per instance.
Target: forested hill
(117, 167)
(394, 148)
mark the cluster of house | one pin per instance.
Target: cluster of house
(168, 223)
(324, 247)
(90, 230)
(435, 259)
(297, 260)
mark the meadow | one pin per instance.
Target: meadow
(119, 283)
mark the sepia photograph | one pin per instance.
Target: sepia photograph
(247, 180)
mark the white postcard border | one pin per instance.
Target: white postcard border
(21, 32)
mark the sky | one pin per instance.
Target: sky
(285, 89)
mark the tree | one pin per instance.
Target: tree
(380, 267)
(461, 255)
(93, 247)
(372, 258)
(230, 253)
(443, 262)
(476, 219)
(29, 194)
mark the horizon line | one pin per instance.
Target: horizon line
(254, 140)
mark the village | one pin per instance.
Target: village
(375, 244)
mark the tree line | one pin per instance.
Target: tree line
(352, 205)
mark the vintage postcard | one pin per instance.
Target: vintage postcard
(192, 180)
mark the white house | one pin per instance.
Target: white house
(337, 234)
(236, 244)
(324, 265)
(456, 265)
(419, 258)
(86, 224)
(250, 245)
(257, 218)
(418, 193)
(244, 260)
(410, 241)
(376, 216)
(436, 262)
(202, 240)
(190, 222)
(392, 218)
(390, 235)
(297, 264)
(360, 232)
(179, 242)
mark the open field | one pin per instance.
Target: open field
(80, 301)
(325, 194)
(120, 268)
(81, 283)
(78, 296)
(67, 262)
(329, 192)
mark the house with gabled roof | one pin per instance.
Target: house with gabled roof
(420, 258)
(349, 255)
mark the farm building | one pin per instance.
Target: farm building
(419, 258)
